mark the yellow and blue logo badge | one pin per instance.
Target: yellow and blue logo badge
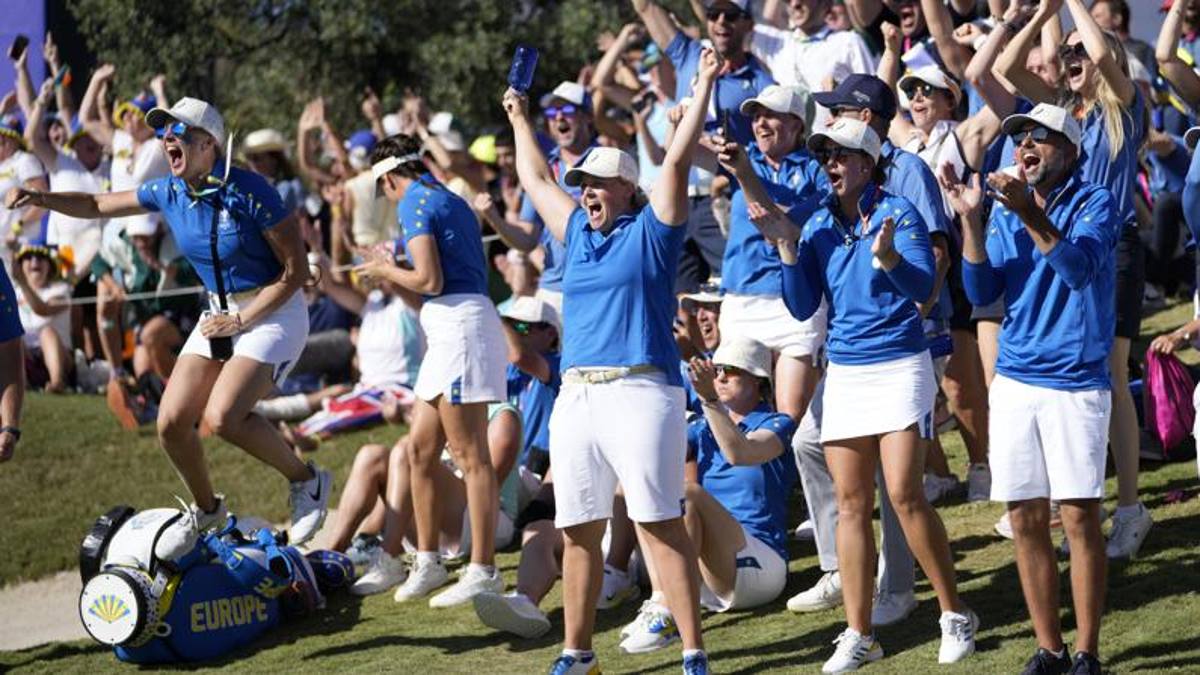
(108, 608)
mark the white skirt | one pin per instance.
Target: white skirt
(466, 359)
(878, 398)
(276, 339)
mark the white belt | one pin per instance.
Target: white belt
(604, 375)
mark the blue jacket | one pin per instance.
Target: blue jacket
(1061, 308)
(873, 314)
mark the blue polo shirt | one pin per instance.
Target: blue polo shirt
(555, 252)
(756, 496)
(873, 315)
(10, 319)
(535, 400)
(247, 206)
(751, 265)
(1058, 326)
(1097, 166)
(1191, 197)
(1168, 174)
(428, 208)
(618, 302)
(908, 175)
(729, 91)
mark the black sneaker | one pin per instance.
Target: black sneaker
(1085, 664)
(1045, 662)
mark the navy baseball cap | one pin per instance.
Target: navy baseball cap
(862, 92)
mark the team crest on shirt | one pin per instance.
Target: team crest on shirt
(224, 223)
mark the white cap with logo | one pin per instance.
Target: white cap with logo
(604, 163)
(1049, 116)
(571, 92)
(793, 100)
(192, 112)
(848, 133)
(745, 354)
(934, 77)
(532, 310)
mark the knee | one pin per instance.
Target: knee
(370, 460)
(172, 427)
(154, 334)
(856, 507)
(1080, 518)
(220, 419)
(907, 499)
(1029, 519)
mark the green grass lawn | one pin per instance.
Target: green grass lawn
(75, 463)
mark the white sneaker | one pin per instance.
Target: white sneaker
(979, 483)
(472, 581)
(363, 551)
(853, 651)
(892, 608)
(384, 572)
(617, 589)
(310, 500)
(958, 636)
(181, 536)
(1129, 530)
(512, 613)
(1003, 526)
(652, 630)
(939, 487)
(805, 531)
(825, 594)
(422, 580)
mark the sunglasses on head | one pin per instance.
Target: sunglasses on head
(178, 130)
(1038, 134)
(911, 89)
(730, 15)
(836, 153)
(567, 110)
(1072, 53)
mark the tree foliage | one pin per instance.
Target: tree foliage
(259, 60)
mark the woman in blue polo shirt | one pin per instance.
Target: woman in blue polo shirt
(260, 268)
(463, 369)
(867, 253)
(12, 368)
(619, 415)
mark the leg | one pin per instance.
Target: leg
(466, 430)
(362, 492)
(674, 557)
(161, 338)
(1089, 565)
(795, 381)
(108, 319)
(988, 331)
(582, 573)
(58, 361)
(541, 545)
(229, 413)
(178, 414)
(1038, 568)
(935, 458)
(819, 494)
(623, 539)
(852, 465)
(966, 388)
(902, 456)
(717, 537)
(423, 450)
(1123, 427)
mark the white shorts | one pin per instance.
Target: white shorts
(767, 320)
(1046, 443)
(878, 398)
(276, 339)
(761, 576)
(629, 431)
(466, 359)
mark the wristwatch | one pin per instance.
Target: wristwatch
(16, 433)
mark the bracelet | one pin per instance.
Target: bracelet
(15, 432)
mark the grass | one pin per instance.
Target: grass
(75, 463)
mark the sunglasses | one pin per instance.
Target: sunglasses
(730, 15)
(1038, 134)
(567, 110)
(179, 130)
(526, 327)
(835, 153)
(1072, 53)
(727, 371)
(911, 89)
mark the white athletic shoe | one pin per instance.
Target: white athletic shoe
(805, 531)
(570, 665)
(653, 629)
(979, 483)
(363, 551)
(181, 536)
(512, 613)
(825, 594)
(1129, 530)
(1004, 526)
(383, 573)
(939, 487)
(958, 636)
(471, 582)
(310, 501)
(617, 589)
(853, 651)
(891, 608)
(422, 580)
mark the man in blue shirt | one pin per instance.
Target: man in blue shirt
(12, 368)
(1049, 249)
(728, 25)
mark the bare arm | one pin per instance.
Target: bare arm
(63, 98)
(658, 22)
(36, 303)
(311, 120)
(1011, 63)
(775, 14)
(669, 198)
(158, 87)
(98, 125)
(525, 359)
(605, 125)
(941, 28)
(25, 92)
(38, 142)
(82, 205)
(425, 274)
(739, 449)
(1099, 53)
(1178, 73)
(552, 203)
(980, 75)
(340, 291)
(520, 235)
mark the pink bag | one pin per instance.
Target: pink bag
(1167, 398)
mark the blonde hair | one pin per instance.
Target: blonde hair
(1112, 108)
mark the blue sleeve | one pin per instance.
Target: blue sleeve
(1079, 258)
(1191, 197)
(414, 218)
(266, 206)
(923, 192)
(913, 276)
(151, 193)
(783, 427)
(528, 213)
(802, 285)
(555, 363)
(983, 282)
(680, 52)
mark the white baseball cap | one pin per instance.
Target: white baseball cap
(748, 355)
(931, 75)
(794, 100)
(192, 112)
(708, 293)
(1191, 136)
(848, 133)
(1046, 115)
(571, 92)
(264, 140)
(604, 163)
(533, 310)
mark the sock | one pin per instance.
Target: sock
(428, 558)
(1126, 511)
(579, 654)
(487, 570)
(658, 597)
(689, 653)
